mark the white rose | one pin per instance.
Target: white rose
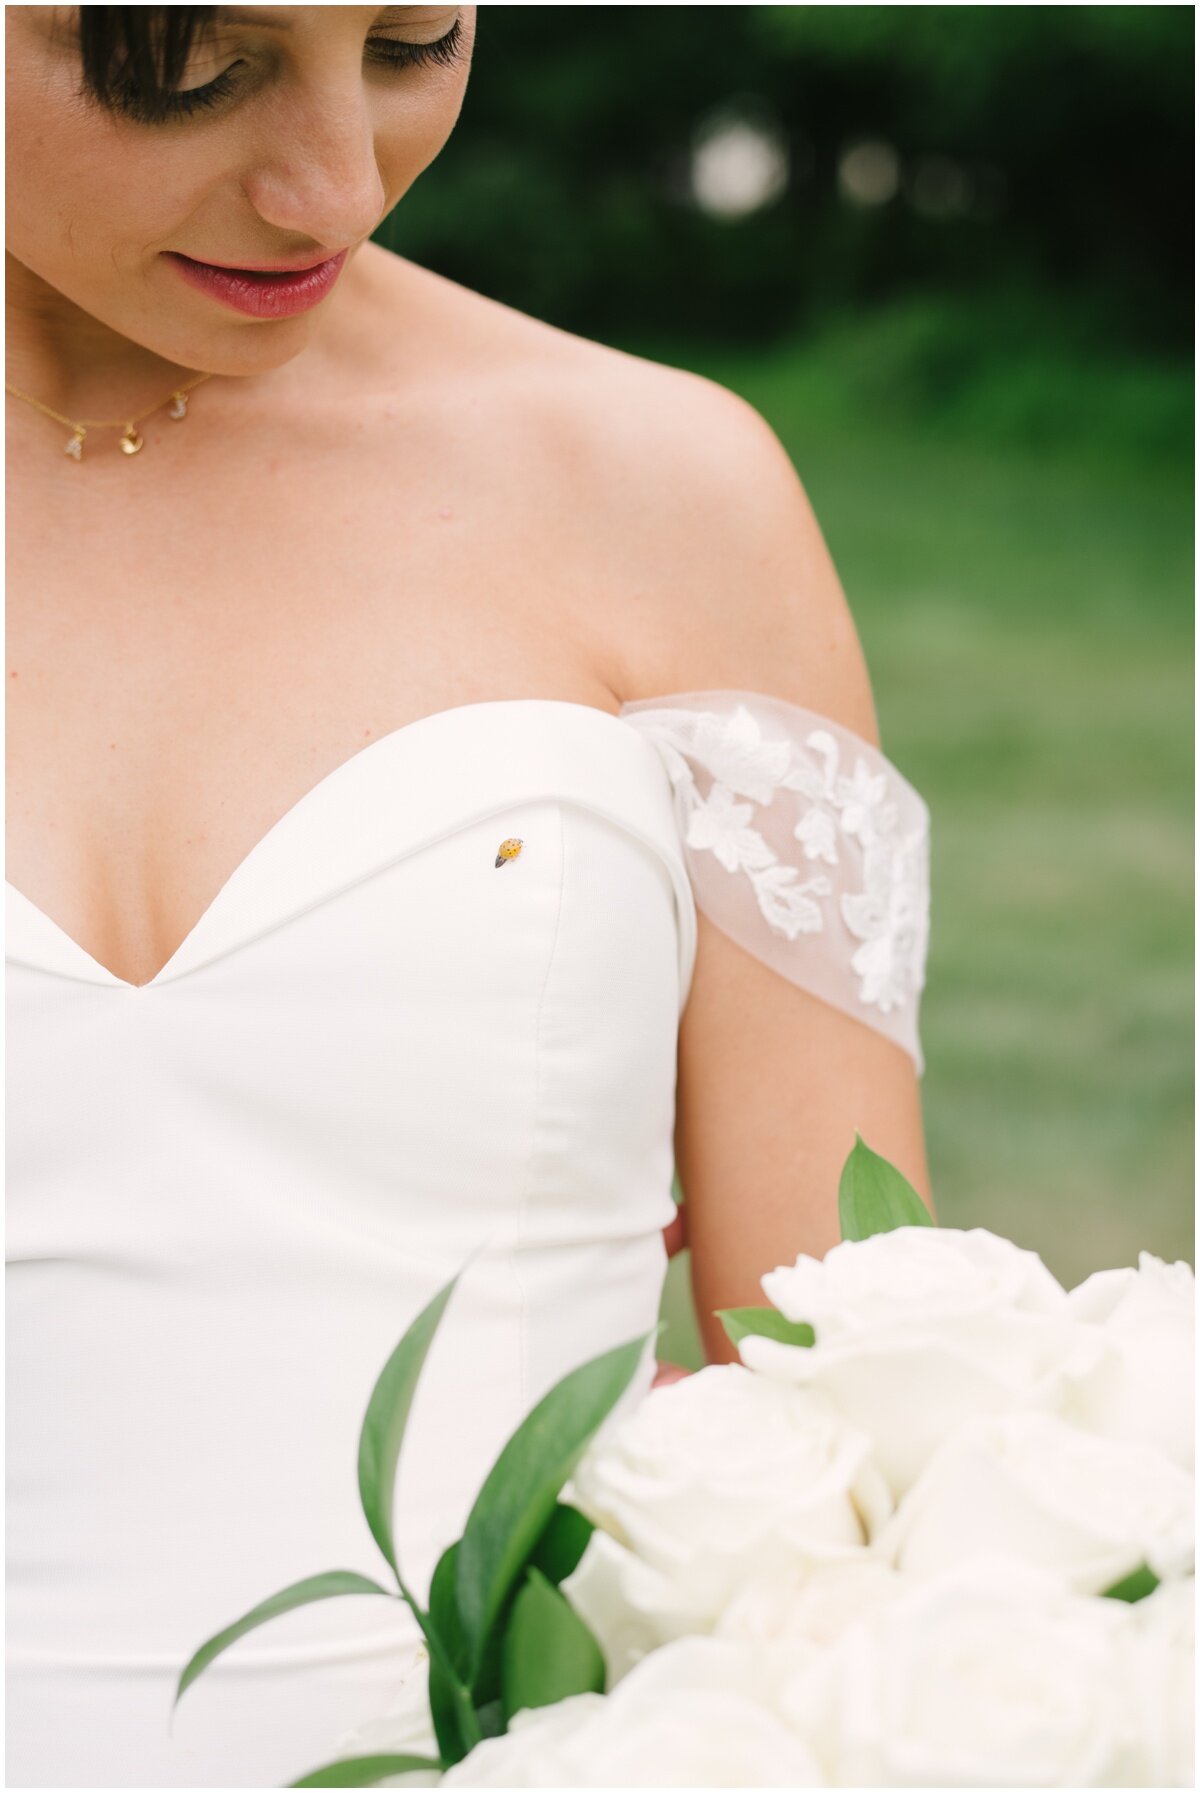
(988, 1676)
(1162, 1680)
(1031, 1486)
(537, 1750)
(1170, 1612)
(792, 1616)
(707, 1482)
(1144, 1386)
(919, 1329)
(801, 1605)
(688, 1716)
(630, 1606)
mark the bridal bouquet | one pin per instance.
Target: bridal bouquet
(936, 1528)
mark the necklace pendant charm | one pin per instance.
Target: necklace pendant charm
(130, 440)
(75, 446)
(509, 850)
(178, 405)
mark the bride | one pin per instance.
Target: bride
(444, 794)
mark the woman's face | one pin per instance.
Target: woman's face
(320, 119)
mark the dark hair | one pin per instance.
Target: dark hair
(137, 49)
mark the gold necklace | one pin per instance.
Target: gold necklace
(131, 441)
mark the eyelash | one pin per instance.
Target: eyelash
(389, 51)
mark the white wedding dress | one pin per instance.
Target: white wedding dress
(232, 1188)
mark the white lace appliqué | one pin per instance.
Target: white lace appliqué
(887, 914)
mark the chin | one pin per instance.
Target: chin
(243, 346)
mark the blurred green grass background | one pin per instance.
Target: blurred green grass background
(1016, 543)
(948, 253)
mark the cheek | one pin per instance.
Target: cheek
(87, 224)
(410, 137)
(81, 212)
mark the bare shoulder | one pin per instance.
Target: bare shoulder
(737, 586)
(675, 505)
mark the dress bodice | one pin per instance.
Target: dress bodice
(383, 1046)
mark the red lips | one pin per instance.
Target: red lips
(262, 292)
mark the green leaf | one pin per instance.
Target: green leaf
(764, 1322)
(560, 1548)
(485, 1682)
(874, 1197)
(443, 1709)
(443, 1608)
(549, 1652)
(1135, 1586)
(365, 1771)
(387, 1416)
(301, 1593)
(513, 1506)
(445, 1697)
(557, 1552)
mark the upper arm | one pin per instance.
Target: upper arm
(773, 1083)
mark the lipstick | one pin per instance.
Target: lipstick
(261, 292)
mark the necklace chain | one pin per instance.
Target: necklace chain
(131, 441)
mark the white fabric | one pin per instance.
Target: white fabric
(231, 1189)
(805, 845)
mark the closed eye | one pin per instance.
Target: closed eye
(389, 52)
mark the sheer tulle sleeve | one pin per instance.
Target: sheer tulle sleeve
(804, 844)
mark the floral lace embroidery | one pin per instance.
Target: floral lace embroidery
(887, 915)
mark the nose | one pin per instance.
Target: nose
(317, 172)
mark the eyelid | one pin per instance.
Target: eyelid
(383, 36)
(444, 19)
(451, 32)
(205, 94)
(216, 74)
(403, 33)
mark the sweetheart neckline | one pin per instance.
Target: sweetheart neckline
(305, 799)
(210, 915)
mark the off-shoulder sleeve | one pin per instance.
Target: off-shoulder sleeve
(804, 844)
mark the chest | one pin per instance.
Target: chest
(188, 657)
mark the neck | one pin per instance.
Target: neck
(70, 359)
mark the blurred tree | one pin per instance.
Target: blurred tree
(971, 149)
